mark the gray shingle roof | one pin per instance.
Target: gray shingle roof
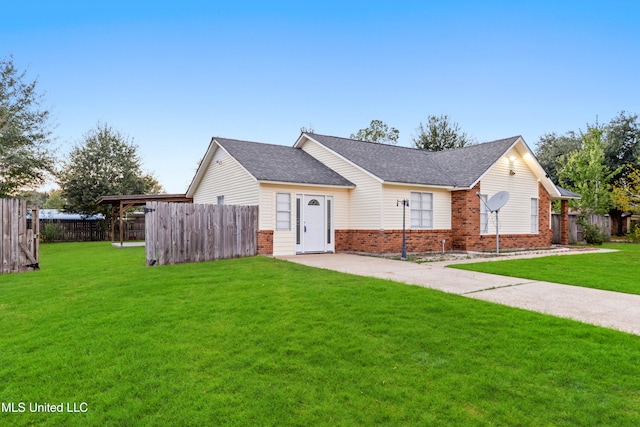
(567, 193)
(459, 167)
(268, 162)
(466, 165)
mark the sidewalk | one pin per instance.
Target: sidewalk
(603, 308)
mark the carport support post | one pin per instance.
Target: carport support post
(124, 208)
(121, 230)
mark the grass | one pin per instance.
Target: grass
(614, 271)
(259, 341)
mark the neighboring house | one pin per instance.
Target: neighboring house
(328, 194)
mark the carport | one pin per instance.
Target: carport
(125, 202)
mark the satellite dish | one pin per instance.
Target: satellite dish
(498, 200)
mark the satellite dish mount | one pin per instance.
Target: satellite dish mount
(494, 204)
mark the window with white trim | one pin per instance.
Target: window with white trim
(534, 215)
(283, 211)
(221, 200)
(421, 210)
(484, 215)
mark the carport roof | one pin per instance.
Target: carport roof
(141, 199)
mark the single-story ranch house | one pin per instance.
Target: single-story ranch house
(328, 194)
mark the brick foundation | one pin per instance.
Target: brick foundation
(390, 241)
(265, 242)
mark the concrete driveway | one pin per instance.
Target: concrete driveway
(603, 308)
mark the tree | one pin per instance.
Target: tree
(552, 148)
(440, 134)
(586, 173)
(378, 132)
(55, 200)
(106, 163)
(33, 198)
(304, 129)
(25, 137)
(622, 144)
(626, 193)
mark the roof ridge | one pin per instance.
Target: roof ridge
(250, 142)
(515, 137)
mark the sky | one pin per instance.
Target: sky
(172, 75)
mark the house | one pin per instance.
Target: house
(331, 194)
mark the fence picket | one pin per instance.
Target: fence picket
(18, 249)
(575, 230)
(177, 232)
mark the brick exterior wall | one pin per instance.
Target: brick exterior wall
(265, 242)
(465, 219)
(564, 222)
(390, 241)
(463, 236)
(465, 222)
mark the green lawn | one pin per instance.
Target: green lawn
(614, 271)
(259, 341)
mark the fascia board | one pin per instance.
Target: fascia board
(206, 161)
(301, 184)
(442, 187)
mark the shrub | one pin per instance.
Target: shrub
(634, 233)
(593, 234)
(51, 232)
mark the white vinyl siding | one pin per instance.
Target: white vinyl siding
(421, 205)
(225, 176)
(515, 215)
(392, 210)
(534, 216)
(283, 211)
(364, 212)
(284, 241)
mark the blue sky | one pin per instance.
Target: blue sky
(173, 74)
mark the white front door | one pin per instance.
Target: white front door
(313, 219)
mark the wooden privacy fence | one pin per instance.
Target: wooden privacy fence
(55, 230)
(575, 231)
(185, 232)
(19, 247)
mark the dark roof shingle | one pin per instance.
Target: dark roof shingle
(269, 162)
(459, 167)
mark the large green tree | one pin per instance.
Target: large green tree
(105, 163)
(378, 132)
(622, 144)
(586, 173)
(620, 139)
(26, 158)
(440, 134)
(553, 148)
(55, 200)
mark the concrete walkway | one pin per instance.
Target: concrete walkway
(603, 308)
